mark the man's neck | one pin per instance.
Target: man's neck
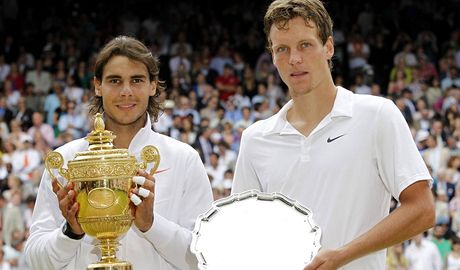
(308, 110)
(124, 133)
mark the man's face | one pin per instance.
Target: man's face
(125, 90)
(300, 56)
(436, 127)
(37, 119)
(438, 231)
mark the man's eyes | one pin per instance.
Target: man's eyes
(305, 45)
(114, 81)
(137, 80)
(118, 81)
(281, 49)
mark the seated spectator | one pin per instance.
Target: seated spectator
(17, 79)
(221, 59)
(44, 129)
(23, 114)
(227, 83)
(439, 239)
(436, 155)
(71, 121)
(423, 254)
(453, 258)
(52, 102)
(184, 109)
(396, 260)
(164, 122)
(247, 120)
(12, 96)
(40, 79)
(72, 91)
(227, 155)
(261, 93)
(12, 218)
(452, 79)
(232, 113)
(454, 211)
(407, 54)
(426, 69)
(210, 109)
(359, 86)
(27, 162)
(358, 53)
(178, 59)
(216, 170)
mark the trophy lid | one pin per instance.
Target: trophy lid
(100, 138)
(101, 144)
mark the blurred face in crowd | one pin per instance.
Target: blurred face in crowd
(431, 142)
(300, 56)
(436, 127)
(125, 89)
(184, 103)
(37, 119)
(438, 231)
(214, 160)
(456, 246)
(418, 239)
(71, 107)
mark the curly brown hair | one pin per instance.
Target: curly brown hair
(280, 12)
(135, 50)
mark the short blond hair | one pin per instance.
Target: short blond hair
(281, 11)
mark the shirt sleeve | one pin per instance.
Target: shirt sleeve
(172, 240)
(47, 247)
(245, 177)
(398, 159)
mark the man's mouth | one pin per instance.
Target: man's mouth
(126, 106)
(298, 73)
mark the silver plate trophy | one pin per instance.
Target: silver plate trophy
(255, 230)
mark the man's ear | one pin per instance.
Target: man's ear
(153, 88)
(97, 87)
(329, 47)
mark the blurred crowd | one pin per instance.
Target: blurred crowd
(220, 79)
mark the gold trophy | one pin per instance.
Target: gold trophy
(103, 178)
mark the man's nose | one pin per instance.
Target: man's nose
(295, 57)
(126, 89)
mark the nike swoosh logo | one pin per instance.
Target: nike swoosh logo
(329, 140)
(160, 171)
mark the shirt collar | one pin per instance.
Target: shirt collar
(141, 136)
(343, 107)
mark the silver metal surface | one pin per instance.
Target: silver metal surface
(255, 230)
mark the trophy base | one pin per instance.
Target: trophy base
(110, 266)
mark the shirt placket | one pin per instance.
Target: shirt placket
(305, 149)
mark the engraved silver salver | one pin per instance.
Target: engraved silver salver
(255, 230)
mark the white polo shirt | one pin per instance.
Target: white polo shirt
(345, 171)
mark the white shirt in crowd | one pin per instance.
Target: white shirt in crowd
(425, 256)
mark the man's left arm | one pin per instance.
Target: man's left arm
(172, 240)
(404, 174)
(415, 215)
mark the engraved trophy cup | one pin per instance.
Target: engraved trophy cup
(103, 177)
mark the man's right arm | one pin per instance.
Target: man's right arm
(245, 175)
(47, 247)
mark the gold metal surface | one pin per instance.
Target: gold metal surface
(103, 180)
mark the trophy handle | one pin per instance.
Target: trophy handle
(150, 154)
(54, 160)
